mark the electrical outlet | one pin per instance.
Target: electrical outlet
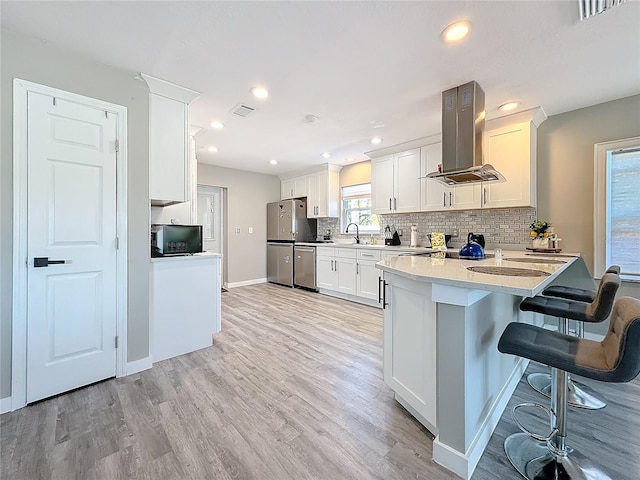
(237, 229)
(455, 232)
(250, 229)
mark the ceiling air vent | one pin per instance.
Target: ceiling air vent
(589, 8)
(242, 110)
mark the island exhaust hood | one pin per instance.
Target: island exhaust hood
(462, 128)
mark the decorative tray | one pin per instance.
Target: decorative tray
(545, 250)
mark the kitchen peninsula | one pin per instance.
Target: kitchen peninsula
(442, 323)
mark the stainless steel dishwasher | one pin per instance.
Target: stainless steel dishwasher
(304, 266)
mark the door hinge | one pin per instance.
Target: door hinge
(117, 145)
(117, 341)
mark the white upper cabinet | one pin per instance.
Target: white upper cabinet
(436, 196)
(294, 187)
(170, 165)
(395, 183)
(512, 151)
(323, 192)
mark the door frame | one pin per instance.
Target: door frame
(21, 88)
(223, 223)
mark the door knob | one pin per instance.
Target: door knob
(45, 262)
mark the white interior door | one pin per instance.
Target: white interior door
(210, 217)
(71, 306)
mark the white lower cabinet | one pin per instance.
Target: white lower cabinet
(348, 271)
(184, 305)
(409, 347)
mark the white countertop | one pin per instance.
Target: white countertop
(182, 258)
(399, 248)
(454, 272)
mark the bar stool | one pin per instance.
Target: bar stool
(595, 311)
(576, 294)
(615, 359)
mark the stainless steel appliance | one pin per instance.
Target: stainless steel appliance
(280, 263)
(171, 240)
(463, 117)
(304, 266)
(286, 223)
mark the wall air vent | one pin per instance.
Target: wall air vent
(242, 110)
(589, 8)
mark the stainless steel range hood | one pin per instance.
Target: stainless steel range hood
(462, 128)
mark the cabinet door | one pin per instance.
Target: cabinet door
(382, 184)
(322, 199)
(406, 173)
(167, 149)
(300, 186)
(312, 195)
(465, 197)
(287, 189)
(367, 280)
(325, 273)
(409, 345)
(434, 195)
(509, 151)
(345, 275)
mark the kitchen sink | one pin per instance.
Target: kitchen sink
(508, 271)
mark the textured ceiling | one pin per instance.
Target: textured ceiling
(353, 64)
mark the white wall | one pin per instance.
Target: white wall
(35, 61)
(246, 206)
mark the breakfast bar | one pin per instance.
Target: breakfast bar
(443, 318)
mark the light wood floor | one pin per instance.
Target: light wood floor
(291, 389)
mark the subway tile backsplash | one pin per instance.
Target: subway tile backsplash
(499, 226)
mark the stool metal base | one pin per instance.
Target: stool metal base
(534, 461)
(579, 395)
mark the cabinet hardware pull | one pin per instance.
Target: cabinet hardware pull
(395, 203)
(379, 290)
(389, 203)
(384, 294)
(484, 196)
(444, 199)
(450, 199)
(357, 269)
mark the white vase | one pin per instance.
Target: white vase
(540, 243)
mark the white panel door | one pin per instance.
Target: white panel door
(71, 321)
(368, 277)
(406, 177)
(434, 195)
(345, 275)
(325, 273)
(382, 184)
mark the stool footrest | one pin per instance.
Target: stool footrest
(523, 429)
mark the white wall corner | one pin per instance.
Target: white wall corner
(139, 365)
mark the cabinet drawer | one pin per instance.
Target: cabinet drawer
(345, 252)
(369, 254)
(324, 251)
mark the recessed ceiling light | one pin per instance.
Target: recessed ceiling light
(505, 107)
(456, 31)
(260, 92)
(273, 162)
(376, 140)
(351, 159)
(311, 118)
(217, 125)
(213, 149)
(326, 154)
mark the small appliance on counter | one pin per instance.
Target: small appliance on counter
(391, 236)
(472, 249)
(173, 240)
(414, 236)
(472, 237)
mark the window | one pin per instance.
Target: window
(617, 210)
(356, 208)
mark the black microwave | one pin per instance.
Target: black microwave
(171, 240)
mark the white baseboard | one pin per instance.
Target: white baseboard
(351, 298)
(139, 365)
(5, 405)
(244, 283)
(464, 464)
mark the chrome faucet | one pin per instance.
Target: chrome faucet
(357, 237)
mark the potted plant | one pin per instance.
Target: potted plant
(540, 231)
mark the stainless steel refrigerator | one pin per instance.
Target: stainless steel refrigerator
(286, 223)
